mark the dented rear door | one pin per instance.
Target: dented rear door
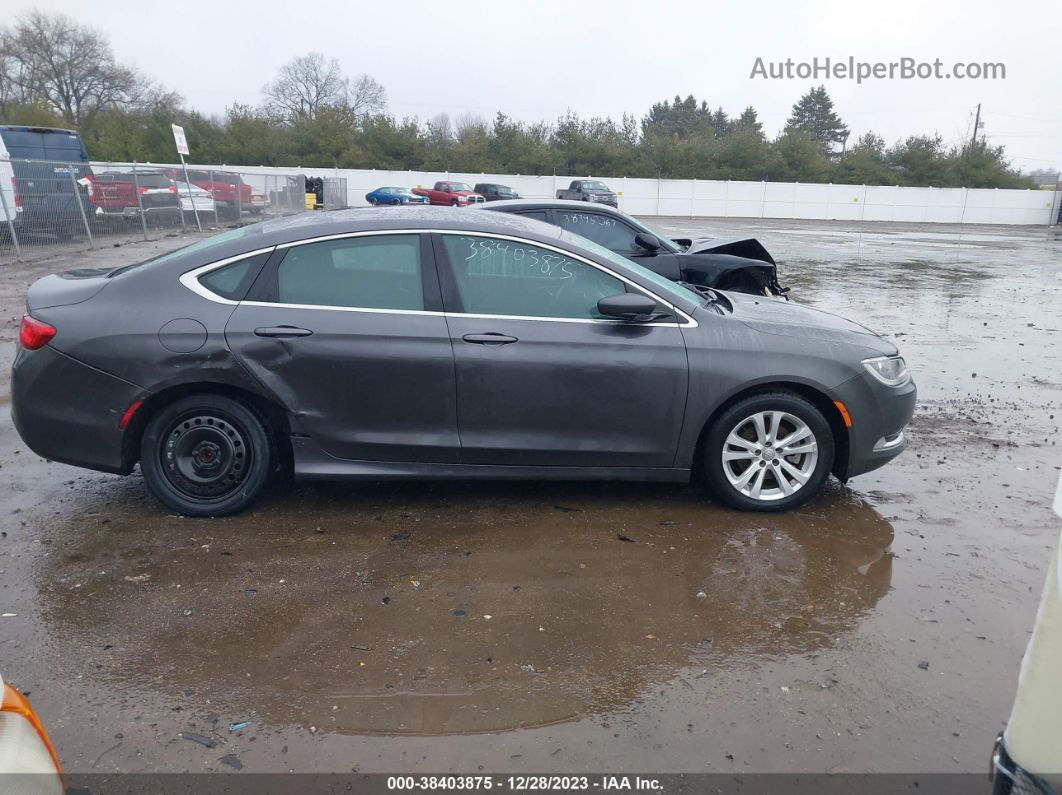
(349, 336)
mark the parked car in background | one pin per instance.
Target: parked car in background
(231, 194)
(470, 345)
(28, 762)
(452, 194)
(739, 264)
(493, 192)
(46, 183)
(194, 199)
(124, 194)
(394, 196)
(259, 202)
(589, 190)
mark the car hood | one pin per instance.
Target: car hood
(791, 319)
(748, 247)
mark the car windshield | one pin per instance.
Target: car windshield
(665, 241)
(151, 180)
(667, 289)
(456, 186)
(595, 187)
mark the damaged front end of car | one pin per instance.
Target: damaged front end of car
(736, 263)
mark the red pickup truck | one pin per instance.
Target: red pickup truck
(114, 194)
(231, 194)
(451, 194)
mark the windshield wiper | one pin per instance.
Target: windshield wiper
(707, 293)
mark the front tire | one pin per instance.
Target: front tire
(206, 455)
(768, 452)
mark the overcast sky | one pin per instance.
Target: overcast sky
(535, 60)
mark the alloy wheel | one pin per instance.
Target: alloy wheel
(770, 455)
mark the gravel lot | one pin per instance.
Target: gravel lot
(506, 627)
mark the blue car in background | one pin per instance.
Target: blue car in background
(394, 196)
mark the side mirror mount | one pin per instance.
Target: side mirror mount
(647, 241)
(632, 307)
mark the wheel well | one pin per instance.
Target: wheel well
(816, 398)
(275, 417)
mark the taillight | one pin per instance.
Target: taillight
(34, 334)
(18, 199)
(143, 190)
(172, 188)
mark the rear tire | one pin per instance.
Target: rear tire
(206, 455)
(744, 466)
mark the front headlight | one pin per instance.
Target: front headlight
(890, 370)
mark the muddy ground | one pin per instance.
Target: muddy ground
(507, 627)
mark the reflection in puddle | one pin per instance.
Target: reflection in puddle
(447, 608)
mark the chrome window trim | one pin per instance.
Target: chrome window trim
(190, 279)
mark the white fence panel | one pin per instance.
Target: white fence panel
(709, 199)
(721, 199)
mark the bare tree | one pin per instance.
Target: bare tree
(366, 96)
(440, 131)
(66, 66)
(304, 84)
(470, 125)
(308, 83)
(11, 91)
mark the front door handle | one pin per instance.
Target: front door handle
(489, 339)
(282, 331)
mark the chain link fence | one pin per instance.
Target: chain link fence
(47, 206)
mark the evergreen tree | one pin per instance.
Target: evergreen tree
(814, 115)
(748, 120)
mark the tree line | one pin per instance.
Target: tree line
(55, 72)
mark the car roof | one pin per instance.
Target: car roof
(314, 225)
(512, 205)
(35, 128)
(304, 226)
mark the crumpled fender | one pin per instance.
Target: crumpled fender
(747, 247)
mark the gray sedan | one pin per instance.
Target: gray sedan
(436, 343)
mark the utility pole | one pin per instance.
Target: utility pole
(977, 123)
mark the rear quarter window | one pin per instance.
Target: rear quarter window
(232, 281)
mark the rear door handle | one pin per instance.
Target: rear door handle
(489, 339)
(282, 331)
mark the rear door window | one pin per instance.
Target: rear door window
(538, 215)
(606, 230)
(370, 272)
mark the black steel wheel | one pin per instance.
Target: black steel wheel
(206, 455)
